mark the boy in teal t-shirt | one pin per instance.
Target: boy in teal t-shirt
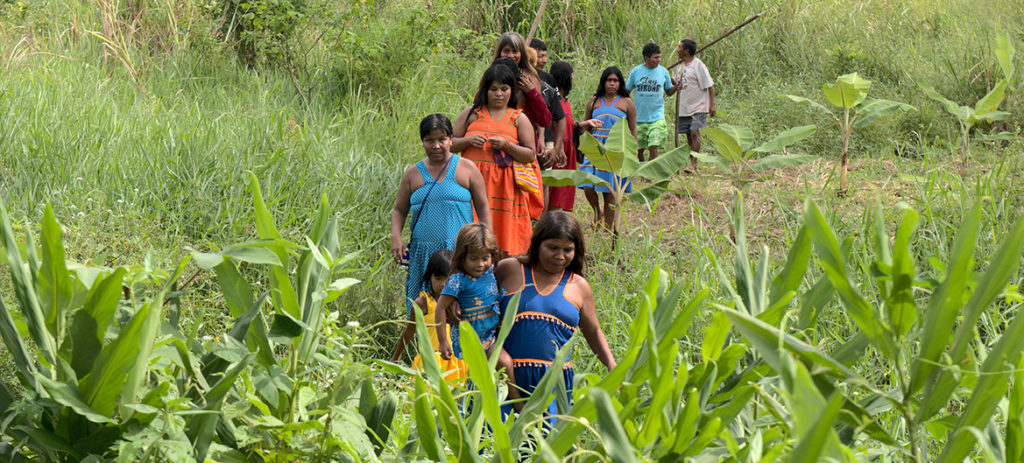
(650, 83)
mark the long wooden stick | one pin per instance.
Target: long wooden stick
(744, 23)
(536, 21)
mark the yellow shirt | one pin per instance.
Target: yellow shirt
(429, 318)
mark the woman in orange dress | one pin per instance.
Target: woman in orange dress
(492, 134)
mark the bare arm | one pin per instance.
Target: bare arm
(589, 113)
(711, 101)
(478, 191)
(444, 345)
(398, 215)
(459, 140)
(631, 116)
(590, 327)
(559, 153)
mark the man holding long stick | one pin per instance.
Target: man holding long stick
(696, 97)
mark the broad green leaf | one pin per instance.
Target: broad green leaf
(40, 438)
(715, 336)
(253, 255)
(25, 290)
(614, 438)
(102, 387)
(991, 101)
(989, 117)
(743, 136)
(665, 165)
(206, 260)
(945, 303)
(12, 340)
(872, 109)
(90, 324)
(775, 161)
(786, 138)
(426, 423)
(482, 373)
(55, 286)
(202, 427)
(811, 103)
(611, 161)
(1005, 54)
(68, 396)
(720, 162)
(900, 303)
(591, 146)
(1015, 416)
(862, 312)
(565, 177)
(537, 404)
(847, 91)
(621, 140)
(961, 112)
(768, 339)
(792, 273)
(725, 143)
(650, 193)
(812, 443)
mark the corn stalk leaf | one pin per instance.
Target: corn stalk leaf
(613, 437)
(26, 291)
(482, 374)
(67, 395)
(1002, 266)
(55, 286)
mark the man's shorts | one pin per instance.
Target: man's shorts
(651, 133)
(692, 123)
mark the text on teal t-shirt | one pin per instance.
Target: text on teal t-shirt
(648, 86)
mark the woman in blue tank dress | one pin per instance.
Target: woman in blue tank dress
(441, 192)
(556, 301)
(610, 104)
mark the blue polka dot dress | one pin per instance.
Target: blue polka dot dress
(435, 224)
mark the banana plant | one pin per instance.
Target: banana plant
(618, 156)
(985, 110)
(849, 93)
(735, 158)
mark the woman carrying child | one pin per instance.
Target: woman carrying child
(610, 104)
(442, 192)
(492, 134)
(473, 286)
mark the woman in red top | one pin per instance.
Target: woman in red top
(564, 197)
(492, 133)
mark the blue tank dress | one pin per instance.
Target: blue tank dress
(543, 324)
(609, 115)
(449, 206)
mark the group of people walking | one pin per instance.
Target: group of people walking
(483, 228)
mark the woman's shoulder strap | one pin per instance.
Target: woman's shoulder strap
(422, 168)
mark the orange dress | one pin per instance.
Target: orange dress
(510, 211)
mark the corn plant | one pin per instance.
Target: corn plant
(985, 110)
(617, 155)
(950, 365)
(850, 93)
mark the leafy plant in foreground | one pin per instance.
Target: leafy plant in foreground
(987, 108)
(618, 156)
(850, 93)
(945, 368)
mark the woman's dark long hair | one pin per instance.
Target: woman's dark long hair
(604, 77)
(557, 225)
(561, 71)
(498, 72)
(436, 121)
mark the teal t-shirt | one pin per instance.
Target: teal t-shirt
(648, 86)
